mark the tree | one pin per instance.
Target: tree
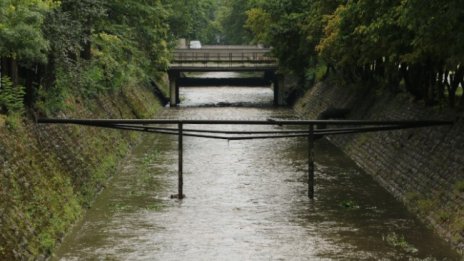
(232, 18)
(21, 37)
(193, 19)
(293, 29)
(436, 45)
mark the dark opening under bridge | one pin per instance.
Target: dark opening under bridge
(176, 127)
(224, 59)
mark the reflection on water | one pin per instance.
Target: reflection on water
(246, 200)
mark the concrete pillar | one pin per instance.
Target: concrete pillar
(177, 91)
(269, 76)
(173, 88)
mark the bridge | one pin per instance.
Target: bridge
(223, 59)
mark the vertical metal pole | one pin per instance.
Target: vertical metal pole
(181, 162)
(311, 162)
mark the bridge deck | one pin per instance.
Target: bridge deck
(220, 59)
(201, 67)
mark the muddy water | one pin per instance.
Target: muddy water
(246, 200)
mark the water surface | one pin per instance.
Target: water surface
(245, 200)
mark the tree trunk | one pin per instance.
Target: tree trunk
(462, 96)
(87, 51)
(5, 67)
(47, 73)
(456, 80)
(392, 76)
(2, 71)
(429, 83)
(30, 91)
(14, 71)
(413, 78)
(87, 45)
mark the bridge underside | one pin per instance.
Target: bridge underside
(224, 59)
(222, 68)
(249, 82)
(270, 78)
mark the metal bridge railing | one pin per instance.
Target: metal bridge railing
(204, 56)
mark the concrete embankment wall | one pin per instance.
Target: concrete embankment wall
(424, 168)
(49, 174)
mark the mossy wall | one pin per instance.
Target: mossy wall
(49, 174)
(424, 168)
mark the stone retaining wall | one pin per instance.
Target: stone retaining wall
(424, 168)
(50, 173)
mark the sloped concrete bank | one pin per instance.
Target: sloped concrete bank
(424, 168)
(50, 174)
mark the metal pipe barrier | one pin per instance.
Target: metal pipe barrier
(313, 133)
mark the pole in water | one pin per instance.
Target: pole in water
(180, 194)
(311, 162)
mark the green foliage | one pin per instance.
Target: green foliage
(378, 42)
(68, 53)
(193, 20)
(149, 159)
(258, 21)
(399, 241)
(349, 204)
(425, 205)
(20, 30)
(101, 46)
(11, 97)
(14, 121)
(39, 203)
(293, 29)
(232, 17)
(459, 187)
(53, 99)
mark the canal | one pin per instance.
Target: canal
(245, 200)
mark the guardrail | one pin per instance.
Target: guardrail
(223, 55)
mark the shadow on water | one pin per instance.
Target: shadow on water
(246, 200)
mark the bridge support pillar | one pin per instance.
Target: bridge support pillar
(278, 83)
(174, 88)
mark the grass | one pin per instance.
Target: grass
(349, 204)
(149, 159)
(459, 187)
(460, 91)
(398, 241)
(425, 205)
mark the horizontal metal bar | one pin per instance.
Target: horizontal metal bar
(244, 122)
(152, 130)
(317, 133)
(144, 129)
(364, 129)
(332, 132)
(219, 131)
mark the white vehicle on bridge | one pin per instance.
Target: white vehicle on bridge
(195, 44)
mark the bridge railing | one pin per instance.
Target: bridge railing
(223, 56)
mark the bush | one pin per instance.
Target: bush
(11, 97)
